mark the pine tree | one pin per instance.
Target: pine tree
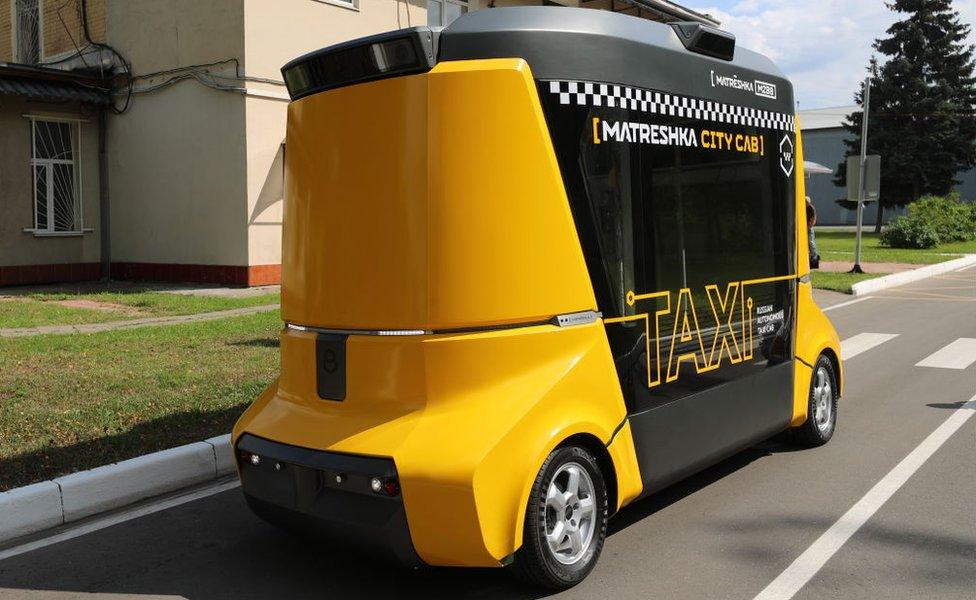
(923, 104)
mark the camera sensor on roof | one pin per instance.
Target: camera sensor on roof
(384, 55)
(706, 40)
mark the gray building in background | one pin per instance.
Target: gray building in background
(823, 142)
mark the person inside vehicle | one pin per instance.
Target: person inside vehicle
(812, 239)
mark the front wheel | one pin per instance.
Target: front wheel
(821, 406)
(565, 521)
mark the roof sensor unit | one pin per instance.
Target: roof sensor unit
(383, 55)
(705, 40)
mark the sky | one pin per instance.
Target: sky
(823, 46)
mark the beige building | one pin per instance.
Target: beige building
(143, 139)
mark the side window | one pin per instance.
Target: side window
(55, 154)
(684, 213)
(713, 216)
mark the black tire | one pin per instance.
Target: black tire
(535, 562)
(817, 430)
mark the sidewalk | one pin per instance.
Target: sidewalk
(183, 289)
(133, 323)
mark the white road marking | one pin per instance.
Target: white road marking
(816, 556)
(120, 517)
(957, 355)
(863, 342)
(847, 303)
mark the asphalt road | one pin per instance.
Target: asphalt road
(726, 533)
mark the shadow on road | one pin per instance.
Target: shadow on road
(952, 405)
(214, 548)
(928, 558)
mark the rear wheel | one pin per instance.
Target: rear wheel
(821, 406)
(565, 521)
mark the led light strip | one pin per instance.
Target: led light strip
(564, 320)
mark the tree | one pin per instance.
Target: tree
(923, 105)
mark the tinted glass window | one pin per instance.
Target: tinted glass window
(685, 216)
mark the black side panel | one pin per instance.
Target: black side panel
(330, 366)
(677, 439)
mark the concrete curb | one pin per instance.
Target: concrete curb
(72, 497)
(896, 279)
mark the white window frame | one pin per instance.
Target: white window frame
(349, 4)
(465, 4)
(48, 229)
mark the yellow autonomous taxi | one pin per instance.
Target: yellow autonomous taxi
(536, 266)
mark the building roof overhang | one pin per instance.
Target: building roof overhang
(52, 85)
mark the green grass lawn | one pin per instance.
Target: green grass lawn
(839, 282)
(839, 246)
(73, 402)
(41, 309)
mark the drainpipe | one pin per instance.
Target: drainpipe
(103, 203)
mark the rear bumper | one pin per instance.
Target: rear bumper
(327, 494)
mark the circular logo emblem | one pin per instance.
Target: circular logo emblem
(329, 362)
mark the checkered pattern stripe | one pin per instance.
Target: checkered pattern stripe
(583, 93)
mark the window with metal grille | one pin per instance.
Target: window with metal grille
(55, 156)
(440, 13)
(28, 32)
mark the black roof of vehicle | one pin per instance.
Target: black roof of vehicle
(583, 44)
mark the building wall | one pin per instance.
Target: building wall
(37, 256)
(177, 162)
(62, 31)
(6, 31)
(826, 146)
(276, 32)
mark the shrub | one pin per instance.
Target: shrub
(951, 218)
(930, 221)
(910, 231)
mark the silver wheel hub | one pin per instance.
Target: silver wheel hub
(570, 513)
(823, 399)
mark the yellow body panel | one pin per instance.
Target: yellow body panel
(434, 185)
(468, 420)
(403, 222)
(814, 331)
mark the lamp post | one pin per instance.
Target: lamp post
(862, 166)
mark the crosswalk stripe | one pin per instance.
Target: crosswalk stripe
(863, 342)
(957, 355)
(848, 303)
